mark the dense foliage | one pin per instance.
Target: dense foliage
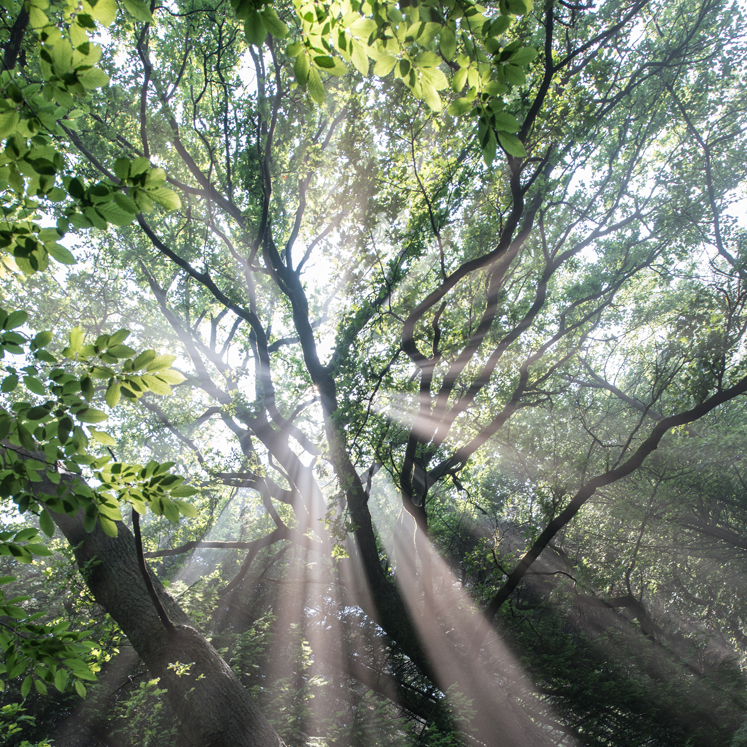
(447, 446)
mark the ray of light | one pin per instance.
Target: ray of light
(489, 696)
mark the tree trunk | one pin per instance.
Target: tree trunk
(213, 707)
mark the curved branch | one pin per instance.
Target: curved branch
(589, 489)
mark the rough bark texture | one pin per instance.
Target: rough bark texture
(214, 708)
(13, 47)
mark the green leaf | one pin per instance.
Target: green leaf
(447, 43)
(459, 79)
(37, 18)
(25, 438)
(165, 197)
(38, 549)
(14, 338)
(460, 106)
(512, 145)
(430, 94)
(60, 253)
(301, 68)
(108, 526)
(160, 362)
(114, 213)
(105, 11)
(186, 509)
(79, 221)
(34, 385)
(113, 394)
(146, 357)
(99, 372)
(428, 59)
(122, 169)
(91, 415)
(138, 10)
(85, 21)
(170, 376)
(488, 143)
(156, 177)
(97, 221)
(255, 29)
(94, 77)
(274, 25)
(89, 522)
(119, 336)
(37, 413)
(49, 234)
(60, 680)
(42, 339)
(101, 437)
(315, 86)
(514, 75)
(25, 534)
(519, 7)
(26, 686)
(139, 166)
(505, 122)
(41, 688)
(170, 511)
(499, 26)
(76, 339)
(9, 383)
(384, 65)
(80, 688)
(363, 27)
(46, 523)
(62, 56)
(156, 385)
(8, 123)
(359, 58)
(523, 56)
(15, 319)
(120, 351)
(126, 203)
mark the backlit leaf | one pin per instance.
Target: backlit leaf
(138, 10)
(46, 523)
(91, 415)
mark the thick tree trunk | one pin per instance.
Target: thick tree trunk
(214, 708)
(13, 46)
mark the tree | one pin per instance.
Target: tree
(474, 297)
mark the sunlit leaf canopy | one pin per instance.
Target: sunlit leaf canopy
(429, 317)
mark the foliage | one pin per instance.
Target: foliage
(391, 342)
(50, 427)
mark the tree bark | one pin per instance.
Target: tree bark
(213, 707)
(13, 47)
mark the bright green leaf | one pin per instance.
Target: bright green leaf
(512, 145)
(113, 394)
(165, 197)
(91, 415)
(101, 437)
(138, 10)
(315, 86)
(76, 339)
(60, 680)
(104, 11)
(46, 523)
(186, 509)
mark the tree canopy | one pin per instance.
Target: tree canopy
(404, 342)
